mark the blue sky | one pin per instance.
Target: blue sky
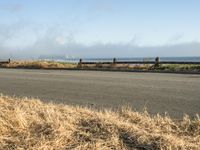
(99, 28)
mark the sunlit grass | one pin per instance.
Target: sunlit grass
(32, 124)
(38, 64)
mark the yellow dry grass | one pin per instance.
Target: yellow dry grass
(65, 65)
(38, 65)
(32, 124)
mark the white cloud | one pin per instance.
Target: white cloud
(61, 40)
(177, 38)
(24, 41)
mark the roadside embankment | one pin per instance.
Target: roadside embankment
(32, 124)
(176, 68)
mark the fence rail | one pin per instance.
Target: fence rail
(5, 61)
(156, 62)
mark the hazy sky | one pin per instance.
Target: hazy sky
(99, 28)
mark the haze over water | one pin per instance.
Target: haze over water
(99, 28)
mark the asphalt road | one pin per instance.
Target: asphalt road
(176, 94)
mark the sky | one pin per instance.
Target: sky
(99, 28)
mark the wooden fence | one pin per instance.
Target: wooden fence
(157, 62)
(5, 61)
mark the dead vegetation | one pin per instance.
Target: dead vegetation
(65, 65)
(178, 67)
(32, 124)
(38, 65)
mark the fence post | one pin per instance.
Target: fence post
(80, 63)
(157, 60)
(114, 60)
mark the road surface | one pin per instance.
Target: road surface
(176, 94)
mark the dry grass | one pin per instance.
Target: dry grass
(32, 124)
(145, 67)
(178, 67)
(63, 65)
(118, 66)
(38, 64)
